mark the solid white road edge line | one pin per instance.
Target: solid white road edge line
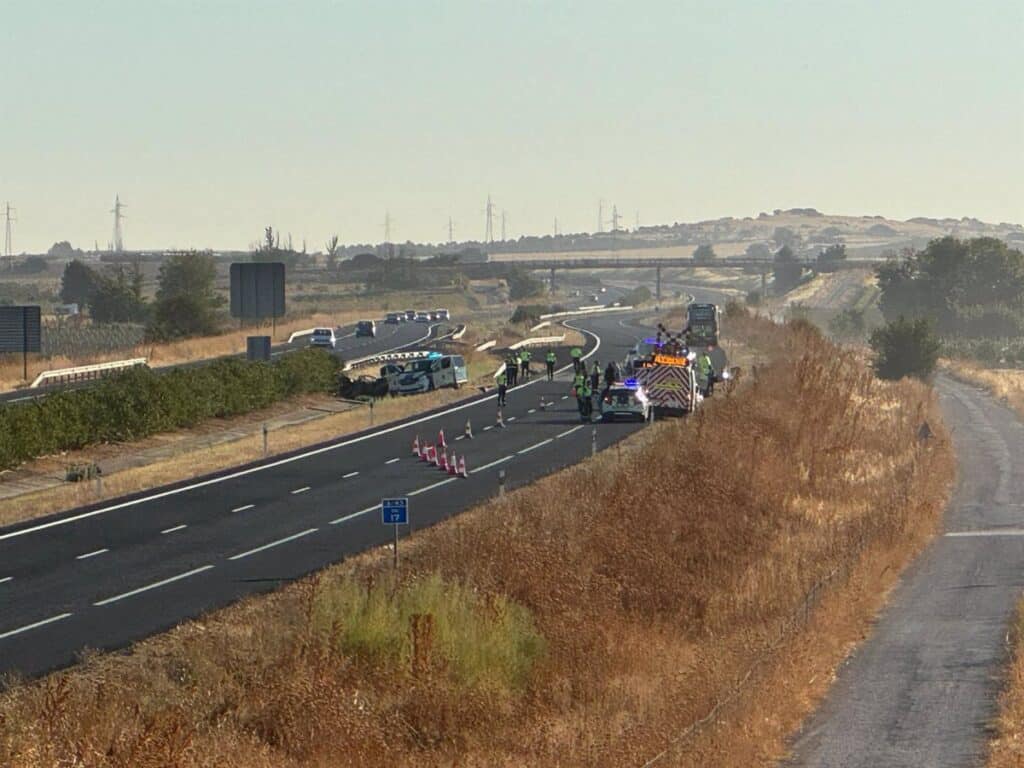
(154, 585)
(392, 461)
(492, 464)
(42, 623)
(303, 489)
(91, 554)
(175, 528)
(568, 432)
(985, 532)
(242, 509)
(350, 474)
(282, 462)
(285, 540)
(536, 445)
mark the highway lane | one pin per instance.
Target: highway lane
(102, 577)
(349, 346)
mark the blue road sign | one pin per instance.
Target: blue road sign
(394, 511)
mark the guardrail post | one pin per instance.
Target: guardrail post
(371, 411)
(265, 432)
(501, 481)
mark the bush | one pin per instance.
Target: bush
(141, 402)
(638, 295)
(905, 348)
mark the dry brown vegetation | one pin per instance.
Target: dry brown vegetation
(719, 565)
(1007, 747)
(1006, 384)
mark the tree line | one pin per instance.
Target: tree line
(186, 302)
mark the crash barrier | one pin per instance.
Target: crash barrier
(459, 333)
(537, 340)
(84, 372)
(304, 332)
(486, 345)
(387, 357)
(538, 326)
(585, 311)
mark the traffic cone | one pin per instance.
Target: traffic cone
(543, 405)
(425, 453)
(501, 421)
(440, 440)
(416, 446)
(453, 466)
(443, 463)
(462, 467)
(469, 430)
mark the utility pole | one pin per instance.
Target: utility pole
(8, 247)
(504, 221)
(118, 244)
(600, 216)
(615, 218)
(451, 231)
(489, 233)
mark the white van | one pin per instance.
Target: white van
(433, 372)
(441, 314)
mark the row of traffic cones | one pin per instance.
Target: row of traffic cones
(438, 456)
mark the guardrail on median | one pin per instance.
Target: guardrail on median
(536, 340)
(486, 345)
(540, 325)
(304, 332)
(387, 357)
(84, 372)
(575, 312)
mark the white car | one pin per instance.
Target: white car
(625, 401)
(323, 337)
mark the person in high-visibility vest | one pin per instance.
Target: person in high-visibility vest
(502, 388)
(706, 370)
(583, 400)
(576, 354)
(512, 368)
(524, 364)
(577, 382)
(549, 360)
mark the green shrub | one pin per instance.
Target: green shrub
(905, 348)
(140, 402)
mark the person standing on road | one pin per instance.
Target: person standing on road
(576, 354)
(502, 387)
(512, 369)
(583, 402)
(595, 379)
(549, 360)
(706, 369)
(524, 364)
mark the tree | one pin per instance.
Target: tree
(787, 271)
(114, 299)
(272, 250)
(521, 285)
(833, 254)
(331, 246)
(33, 265)
(186, 300)
(784, 236)
(77, 283)
(848, 324)
(63, 250)
(905, 347)
(759, 251)
(704, 253)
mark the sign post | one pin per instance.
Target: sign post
(395, 512)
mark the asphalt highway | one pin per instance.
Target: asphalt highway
(104, 576)
(922, 689)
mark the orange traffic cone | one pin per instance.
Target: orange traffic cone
(462, 467)
(440, 439)
(416, 446)
(437, 456)
(425, 453)
(443, 463)
(453, 466)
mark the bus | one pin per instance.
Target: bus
(703, 322)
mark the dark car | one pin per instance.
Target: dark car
(366, 328)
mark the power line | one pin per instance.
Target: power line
(615, 218)
(118, 243)
(8, 249)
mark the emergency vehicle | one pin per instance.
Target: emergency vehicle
(667, 376)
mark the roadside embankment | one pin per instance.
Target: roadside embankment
(678, 600)
(1007, 747)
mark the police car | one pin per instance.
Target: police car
(626, 400)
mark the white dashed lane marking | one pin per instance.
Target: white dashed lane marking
(154, 585)
(303, 489)
(175, 528)
(91, 554)
(27, 627)
(242, 509)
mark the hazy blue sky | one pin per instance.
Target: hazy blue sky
(214, 119)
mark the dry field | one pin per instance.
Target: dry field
(1007, 747)
(722, 565)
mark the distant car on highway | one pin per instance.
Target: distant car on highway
(441, 314)
(410, 315)
(603, 289)
(422, 317)
(366, 328)
(625, 401)
(323, 337)
(594, 297)
(394, 318)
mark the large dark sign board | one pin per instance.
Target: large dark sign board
(257, 290)
(20, 329)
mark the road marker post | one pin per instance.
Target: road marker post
(501, 421)
(468, 432)
(371, 411)
(462, 467)
(265, 433)
(543, 405)
(501, 482)
(416, 446)
(593, 441)
(395, 512)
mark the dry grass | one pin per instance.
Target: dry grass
(1006, 384)
(658, 575)
(1007, 747)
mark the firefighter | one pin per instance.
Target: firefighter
(512, 369)
(502, 387)
(524, 364)
(576, 354)
(549, 360)
(706, 370)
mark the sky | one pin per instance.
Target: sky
(212, 120)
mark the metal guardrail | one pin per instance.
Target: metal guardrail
(304, 332)
(459, 333)
(540, 325)
(535, 340)
(387, 357)
(84, 372)
(586, 311)
(486, 345)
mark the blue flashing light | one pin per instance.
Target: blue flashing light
(434, 354)
(654, 342)
(631, 383)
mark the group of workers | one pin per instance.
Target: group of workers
(585, 385)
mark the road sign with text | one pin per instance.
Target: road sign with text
(394, 511)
